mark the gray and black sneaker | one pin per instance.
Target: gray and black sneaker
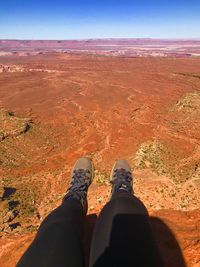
(82, 176)
(121, 177)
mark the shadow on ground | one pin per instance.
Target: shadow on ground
(169, 248)
(8, 191)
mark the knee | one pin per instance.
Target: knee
(127, 204)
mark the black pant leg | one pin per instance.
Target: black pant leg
(123, 236)
(58, 242)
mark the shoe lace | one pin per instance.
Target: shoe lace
(122, 179)
(79, 180)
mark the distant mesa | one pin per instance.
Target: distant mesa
(11, 125)
(143, 47)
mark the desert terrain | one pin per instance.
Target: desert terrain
(56, 106)
(139, 47)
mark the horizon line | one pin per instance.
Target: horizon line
(106, 38)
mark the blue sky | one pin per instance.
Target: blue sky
(59, 19)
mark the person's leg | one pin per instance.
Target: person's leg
(58, 242)
(122, 235)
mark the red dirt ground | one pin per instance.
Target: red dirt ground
(146, 110)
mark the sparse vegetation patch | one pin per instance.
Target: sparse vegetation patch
(190, 103)
(150, 155)
(101, 177)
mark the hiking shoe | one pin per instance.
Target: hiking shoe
(82, 176)
(121, 177)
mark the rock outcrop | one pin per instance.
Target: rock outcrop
(11, 125)
(11, 68)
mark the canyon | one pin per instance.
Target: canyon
(56, 106)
